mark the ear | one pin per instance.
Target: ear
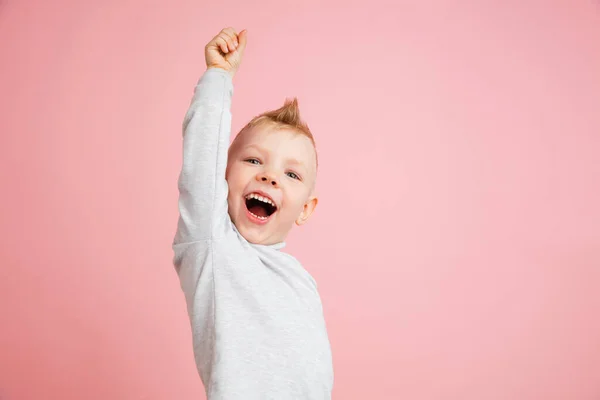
(308, 209)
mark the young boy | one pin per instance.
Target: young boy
(256, 315)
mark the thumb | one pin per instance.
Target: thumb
(243, 39)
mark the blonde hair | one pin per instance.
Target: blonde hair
(287, 116)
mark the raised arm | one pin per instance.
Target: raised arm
(206, 131)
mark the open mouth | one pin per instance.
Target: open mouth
(260, 206)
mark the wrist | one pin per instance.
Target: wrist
(221, 70)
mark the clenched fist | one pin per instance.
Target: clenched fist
(225, 50)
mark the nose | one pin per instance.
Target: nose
(267, 178)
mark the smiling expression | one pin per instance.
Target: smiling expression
(271, 174)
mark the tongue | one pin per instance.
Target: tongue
(258, 210)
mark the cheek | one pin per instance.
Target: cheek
(234, 197)
(236, 179)
(295, 200)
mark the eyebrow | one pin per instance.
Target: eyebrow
(291, 161)
(254, 146)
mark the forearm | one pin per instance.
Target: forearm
(206, 135)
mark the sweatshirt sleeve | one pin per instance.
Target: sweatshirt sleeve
(202, 186)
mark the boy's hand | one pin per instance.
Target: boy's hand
(225, 50)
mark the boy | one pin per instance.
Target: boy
(256, 315)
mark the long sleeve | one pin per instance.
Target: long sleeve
(202, 185)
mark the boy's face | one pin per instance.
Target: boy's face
(271, 175)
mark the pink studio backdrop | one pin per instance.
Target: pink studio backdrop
(457, 242)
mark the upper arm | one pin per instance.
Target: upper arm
(202, 186)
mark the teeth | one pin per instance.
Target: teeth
(257, 216)
(260, 198)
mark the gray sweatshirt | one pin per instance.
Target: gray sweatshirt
(256, 316)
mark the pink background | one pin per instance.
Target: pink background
(457, 242)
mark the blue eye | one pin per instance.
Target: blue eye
(253, 161)
(293, 175)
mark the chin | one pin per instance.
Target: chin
(254, 235)
(261, 235)
(252, 239)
